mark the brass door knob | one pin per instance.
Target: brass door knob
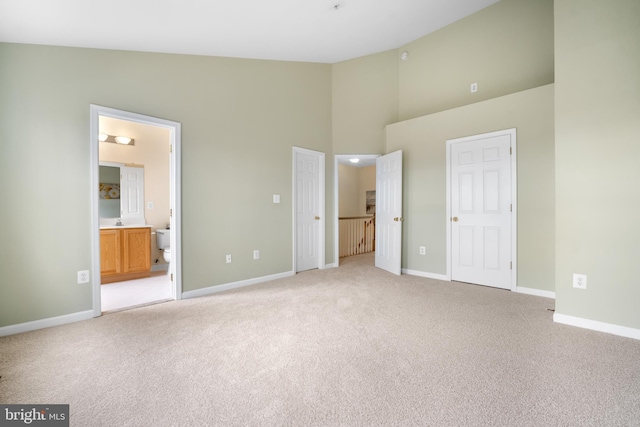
(317, 218)
(454, 219)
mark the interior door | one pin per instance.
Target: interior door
(389, 212)
(132, 194)
(307, 188)
(481, 217)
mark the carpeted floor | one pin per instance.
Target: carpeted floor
(351, 346)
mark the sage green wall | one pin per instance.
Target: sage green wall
(423, 141)
(597, 50)
(240, 119)
(505, 48)
(364, 101)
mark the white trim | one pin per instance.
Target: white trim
(426, 274)
(46, 323)
(332, 265)
(234, 285)
(95, 111)
(536, 292)
(336, 198)
(594, 325)
(321, 203)
(514, 201)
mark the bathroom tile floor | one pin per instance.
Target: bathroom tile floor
(134, 293)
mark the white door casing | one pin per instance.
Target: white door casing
(132, 195)
(308, 209)
(481, 209)
(389, 212)
(95, 111)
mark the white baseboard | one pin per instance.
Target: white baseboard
(234, 285)
(332, 265)
(609, 328)
(536, 292)
(425, 274)
(45, 323)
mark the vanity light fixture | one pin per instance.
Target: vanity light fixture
(354, 160)
(124, 140)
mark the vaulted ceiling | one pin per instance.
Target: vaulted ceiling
(325, 31)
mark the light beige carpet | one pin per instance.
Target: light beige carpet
(351, 346)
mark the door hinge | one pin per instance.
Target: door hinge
(172, 277)
(510, 266)
(511, 207)
(170, 213)
(170, 148)
(510, 150)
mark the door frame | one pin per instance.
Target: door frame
(336, 196)
(95, 111)
(514, 193)
(321, 205)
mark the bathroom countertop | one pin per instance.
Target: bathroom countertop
(105, 227)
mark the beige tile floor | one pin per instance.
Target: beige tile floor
(134, 293)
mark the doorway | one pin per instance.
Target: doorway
(172, 206)
(481, 209)
(354, 184)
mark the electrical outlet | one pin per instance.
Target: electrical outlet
(474, 87)
(423, 250)
(229, 259)
(83, 277)
(256, 254)
(580, 281)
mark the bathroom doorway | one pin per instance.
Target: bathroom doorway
(143, 208)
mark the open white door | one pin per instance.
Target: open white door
(132, 194)
(389, 212)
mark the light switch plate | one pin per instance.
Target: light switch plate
(276, 198)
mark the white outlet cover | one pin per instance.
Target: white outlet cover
(228, 259)
(580, 281)
(276, 198)
(83, 277)
(256, 254)
(474, 87)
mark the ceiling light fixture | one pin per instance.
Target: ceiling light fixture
(354, 160)
(123, 140)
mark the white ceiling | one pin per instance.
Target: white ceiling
(290, 30)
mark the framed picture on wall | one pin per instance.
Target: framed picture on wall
(371, 202)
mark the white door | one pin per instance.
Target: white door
(389, 212)
(308, 209)
(132, 194)
(481, 205)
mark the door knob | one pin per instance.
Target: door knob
(317, 218)
(395, 219)
(454, 219)
(398, 219)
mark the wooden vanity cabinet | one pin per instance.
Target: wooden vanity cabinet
(125, 254)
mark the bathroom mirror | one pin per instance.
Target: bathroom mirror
(109, 192)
